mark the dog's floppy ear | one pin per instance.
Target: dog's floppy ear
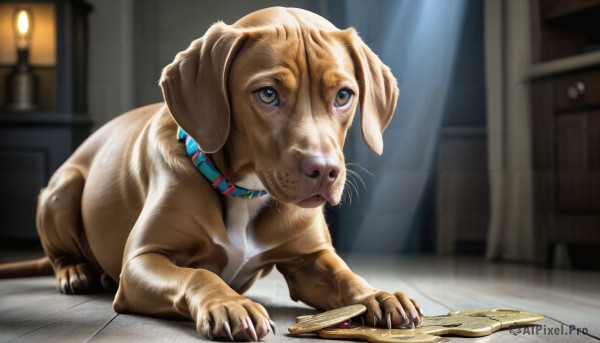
(194, 86)
(378, 90)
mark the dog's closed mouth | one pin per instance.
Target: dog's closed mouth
(317, 199)
(313, 201)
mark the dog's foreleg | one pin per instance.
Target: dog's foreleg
(152, 284)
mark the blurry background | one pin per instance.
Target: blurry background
(492, 151)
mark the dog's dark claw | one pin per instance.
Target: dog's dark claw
(272, 324)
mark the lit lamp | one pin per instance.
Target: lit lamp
(21, 82)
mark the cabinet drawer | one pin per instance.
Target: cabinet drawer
(577, 90)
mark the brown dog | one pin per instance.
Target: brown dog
(270, 100)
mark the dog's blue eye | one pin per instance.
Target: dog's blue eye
(268, 96)
(342, 97)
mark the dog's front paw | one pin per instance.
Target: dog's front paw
(233, 318)
(392, 310)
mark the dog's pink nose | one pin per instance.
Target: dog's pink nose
(320, 167)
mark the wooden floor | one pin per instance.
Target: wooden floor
(32, 311)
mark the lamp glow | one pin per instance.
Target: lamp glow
(23, 27)
(23, 22)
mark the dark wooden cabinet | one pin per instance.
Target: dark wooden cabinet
(33, 144)
(566, 130)
(578, 159)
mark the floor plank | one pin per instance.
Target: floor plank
(134, 328)
(75, 324)
(26, 305)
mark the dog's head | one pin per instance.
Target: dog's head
(279, 90)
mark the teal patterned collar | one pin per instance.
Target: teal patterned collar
(210, 171)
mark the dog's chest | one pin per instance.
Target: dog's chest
(241, 247)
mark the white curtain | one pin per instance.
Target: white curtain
(508, 53)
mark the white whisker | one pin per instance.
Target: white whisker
(353, 185)
(345, 196)
(353, 177)
(350, 196)
(357, 175)
(359, 166)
